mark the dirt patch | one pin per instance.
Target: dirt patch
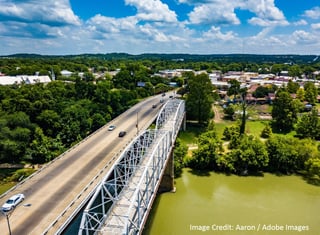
(218, 114)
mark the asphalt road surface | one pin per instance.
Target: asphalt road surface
(61, 183)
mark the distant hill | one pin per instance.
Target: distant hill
(296, 59)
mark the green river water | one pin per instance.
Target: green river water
(220, 204)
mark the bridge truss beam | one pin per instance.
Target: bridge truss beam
(122, 201)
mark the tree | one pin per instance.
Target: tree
(292, 87)
(97, 121)
(229, 111)
(288, 154)
(234, 88)
(313, 169)
(243, 93)
(230, 131)
(180, 151)
(15, 134)
(301, 94)
(251, 155)
(261, 92)
(209, 148)
(309, 125)
(295, 71)
(311, 92)
(284, 111)
(236, 91)
(199, 100)
(42, 148)
(266, 132)
(50, 122)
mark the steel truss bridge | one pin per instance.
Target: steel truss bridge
(124, 198)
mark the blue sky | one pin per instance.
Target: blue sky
(60, 27)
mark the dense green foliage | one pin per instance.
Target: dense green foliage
(199, 98)
(309, 125)
(209, 149)
(248, 155)
(285, 111)
(180, 152)
(38, 122)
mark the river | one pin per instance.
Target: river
(219, 204)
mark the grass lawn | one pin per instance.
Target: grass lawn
(191, 133)
(10, 176)
(252, 127)
(255, 127)
(6, 186)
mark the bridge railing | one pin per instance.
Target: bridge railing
(113, 183)
(148, 184)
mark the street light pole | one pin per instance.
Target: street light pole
(137, 124)
(8, 222)
(7, 214)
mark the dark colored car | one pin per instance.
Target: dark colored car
(122, 133)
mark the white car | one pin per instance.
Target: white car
(112, 127)
(12, 202)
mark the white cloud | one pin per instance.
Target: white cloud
(300, 22)
(153, 10)
(314, 13)
(31, 19)
(315, 26)
(215, 34)
(303, 37)
(51, 27)
(105, 24)
(49, 12)
(221, 14)
(267, 14)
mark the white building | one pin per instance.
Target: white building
(27, 79)
(66, 73)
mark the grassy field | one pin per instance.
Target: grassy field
(253, 127)
(6, 186)
(191, 133)
(10, 176)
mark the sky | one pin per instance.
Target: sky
(64, 27)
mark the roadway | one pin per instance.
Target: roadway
(61, 183)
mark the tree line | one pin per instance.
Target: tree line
(296, 66)
(38, 122)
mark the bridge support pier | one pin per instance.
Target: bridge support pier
(184, 122)
(167, 182)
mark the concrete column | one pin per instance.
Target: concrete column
(167, 181)
(184, 122)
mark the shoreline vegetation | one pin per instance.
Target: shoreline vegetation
(192, 140)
